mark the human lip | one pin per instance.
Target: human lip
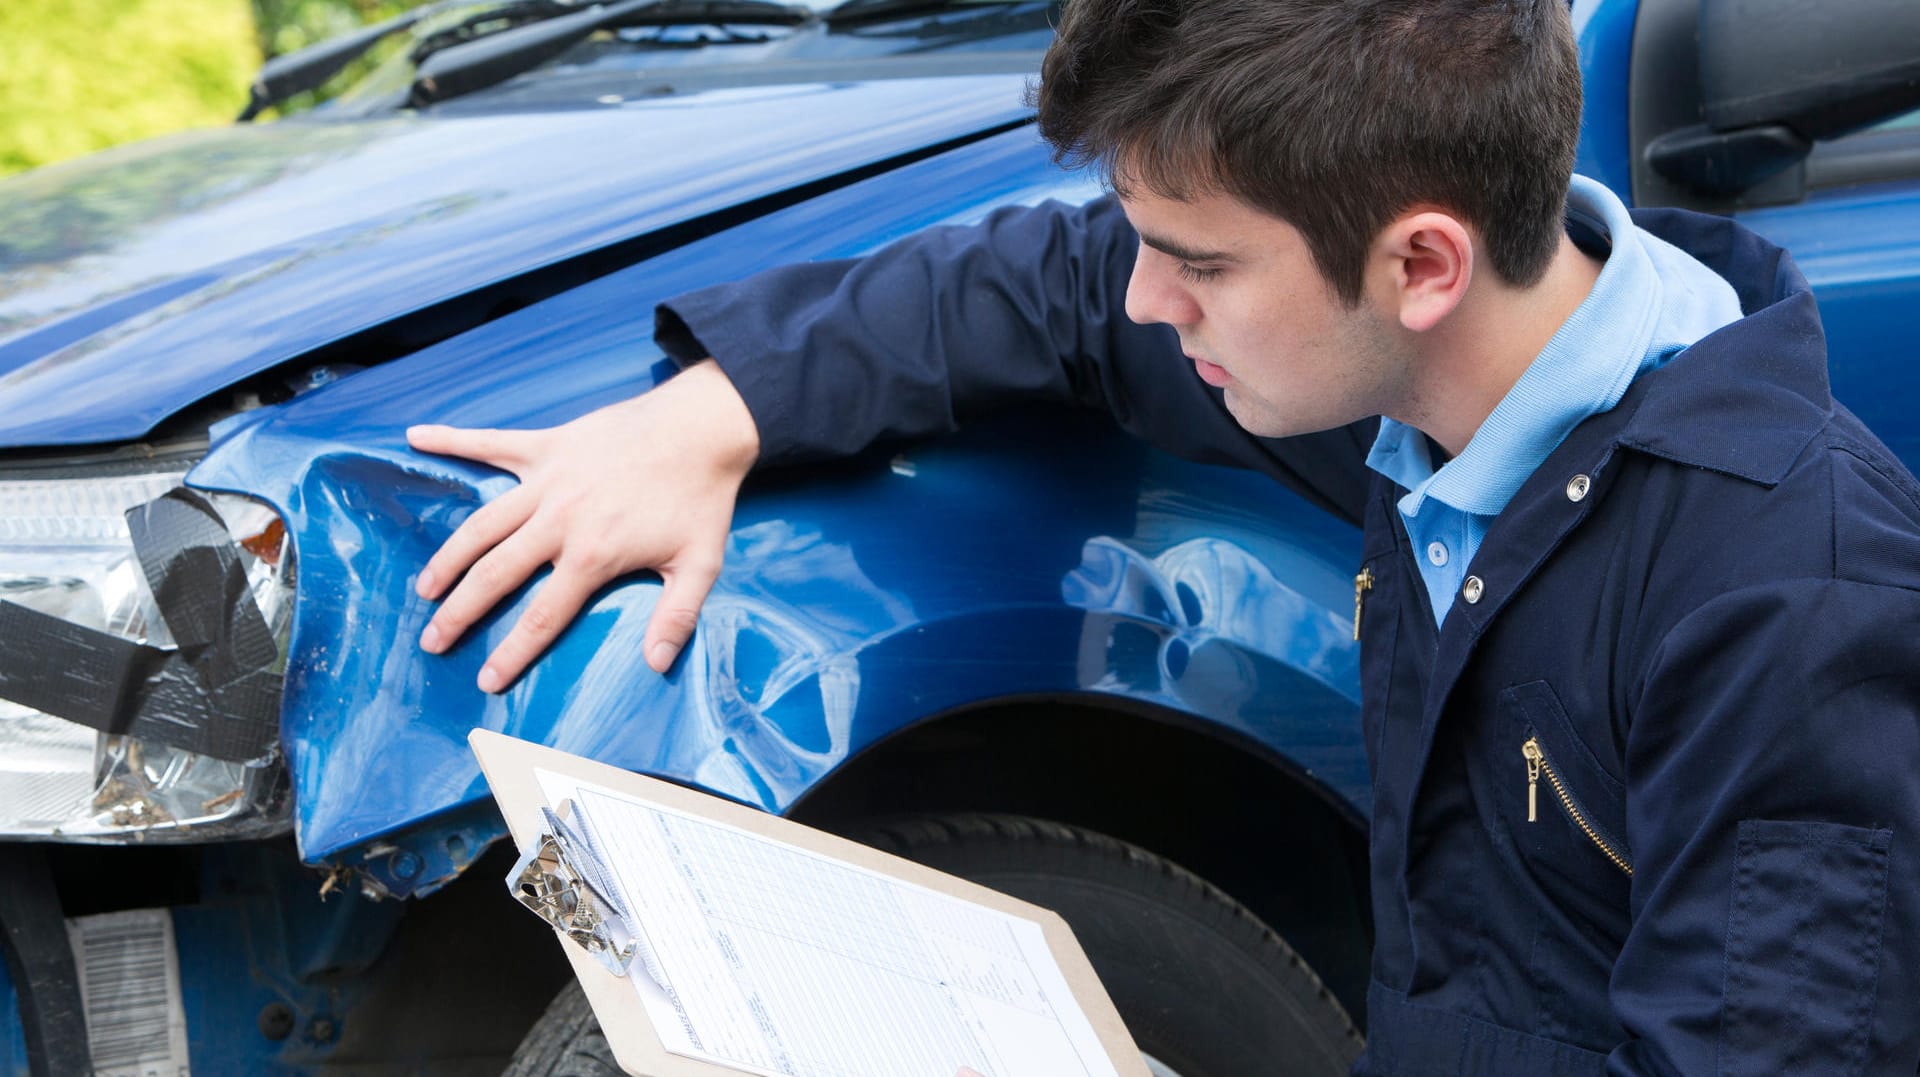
(1211, 373)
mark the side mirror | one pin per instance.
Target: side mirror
(1777, 75)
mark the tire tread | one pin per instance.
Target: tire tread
(943, 841)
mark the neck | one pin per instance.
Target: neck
(1473, 360)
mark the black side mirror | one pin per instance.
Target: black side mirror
(1777, 75)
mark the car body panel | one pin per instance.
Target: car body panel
(841, 615)
(1860, 249)
(1604, 31)
(247, 227)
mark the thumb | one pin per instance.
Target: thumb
(967, 1072)
(677, 613)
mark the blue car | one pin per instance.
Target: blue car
(240, 827)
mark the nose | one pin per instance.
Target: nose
(1155, 293)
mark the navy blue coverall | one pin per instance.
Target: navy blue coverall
(1694, 651)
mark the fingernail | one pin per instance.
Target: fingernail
(490, 681)
(661, 656)
(426, 584)
(430, 640)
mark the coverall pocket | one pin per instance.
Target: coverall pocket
(1565, 812)
(1804, 930)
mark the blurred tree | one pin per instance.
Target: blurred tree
(80, 75)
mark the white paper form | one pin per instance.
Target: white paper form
(779, 961)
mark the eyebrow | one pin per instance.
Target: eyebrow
(1182, 251)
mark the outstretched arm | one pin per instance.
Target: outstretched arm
(1026, 307)
(822, 360)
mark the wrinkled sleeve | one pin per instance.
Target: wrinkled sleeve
(1026, 307)
(1774, 823)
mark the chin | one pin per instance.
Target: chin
(1257, 418)
(1261, 419)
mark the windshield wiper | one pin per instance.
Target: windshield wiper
(854, 11)
(308, 69)
(494, 58)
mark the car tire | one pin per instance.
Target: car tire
(565, 1042)
(1206, 989)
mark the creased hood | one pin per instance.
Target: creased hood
(137, 282)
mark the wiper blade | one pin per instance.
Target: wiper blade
(852, 11)
(477, 64)
(308, 69)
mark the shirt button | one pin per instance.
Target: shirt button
(1578, 486)
(1472, 589)
(1437, 553)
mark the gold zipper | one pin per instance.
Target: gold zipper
(1537, 763)
(1361, 585)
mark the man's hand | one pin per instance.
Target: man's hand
(646, 483)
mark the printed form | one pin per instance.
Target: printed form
(776, 960)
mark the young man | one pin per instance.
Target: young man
(1641, 648)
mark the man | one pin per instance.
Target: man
(1643, 803)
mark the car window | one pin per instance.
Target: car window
(1909, 122)
(1886, 152)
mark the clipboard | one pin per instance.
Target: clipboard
(511, 767)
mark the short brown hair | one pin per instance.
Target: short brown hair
(1334, 115)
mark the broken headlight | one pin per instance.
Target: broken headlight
(70, 569)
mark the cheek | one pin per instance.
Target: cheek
(1255, 327)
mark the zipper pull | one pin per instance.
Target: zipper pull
(1531, 749)
(1361, 585)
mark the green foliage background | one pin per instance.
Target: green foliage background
(80, 75)
(287, 25)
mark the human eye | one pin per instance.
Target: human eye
(1198, 274)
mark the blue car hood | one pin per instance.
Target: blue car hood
(138, 282)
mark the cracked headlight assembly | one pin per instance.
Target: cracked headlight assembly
(93, 609)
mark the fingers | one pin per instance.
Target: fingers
(565, 593)
(493, 577)
(678, 611)
(502, 448)
(552, 608)
(575, 510)
(489, 525)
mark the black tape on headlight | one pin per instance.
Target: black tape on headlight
(216, 693)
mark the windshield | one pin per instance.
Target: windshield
(753, 44)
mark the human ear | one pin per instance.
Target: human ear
(1426, 259)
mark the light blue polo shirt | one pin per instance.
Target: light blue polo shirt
(1652, 300)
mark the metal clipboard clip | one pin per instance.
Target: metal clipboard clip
(561, 879)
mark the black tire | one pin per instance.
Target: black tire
(1205, 988)
(565, 1042)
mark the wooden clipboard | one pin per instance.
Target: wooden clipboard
(509, 765)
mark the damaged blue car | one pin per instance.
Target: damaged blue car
(240, 827)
